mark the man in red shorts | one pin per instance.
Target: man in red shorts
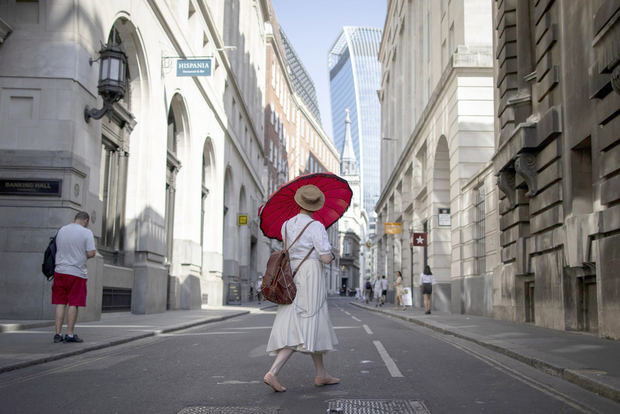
(74, 245)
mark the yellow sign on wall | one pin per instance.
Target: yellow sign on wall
(393, 228)
(242, 220)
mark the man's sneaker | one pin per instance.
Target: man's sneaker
(57, 338)
(73, 338)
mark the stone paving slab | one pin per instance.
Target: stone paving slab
(584, 359)
(20, 348)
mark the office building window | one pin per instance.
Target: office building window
(112, 188)
(479, 231)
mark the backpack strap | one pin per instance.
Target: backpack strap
(302, 262)
(287, 248)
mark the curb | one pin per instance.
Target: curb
(118, 342)
(570, 375)
(12, 327)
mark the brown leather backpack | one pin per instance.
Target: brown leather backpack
(278, 285)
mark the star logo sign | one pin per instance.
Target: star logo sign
(419, 239)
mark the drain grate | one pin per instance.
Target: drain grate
(227, 410)
(376, 407)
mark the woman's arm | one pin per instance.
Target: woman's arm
(327, 258)
(320, 240)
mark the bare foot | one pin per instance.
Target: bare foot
(320, 381)
(272, 381)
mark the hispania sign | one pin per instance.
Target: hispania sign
(194, 67)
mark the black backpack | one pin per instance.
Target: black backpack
(49, 259)
(368, 285)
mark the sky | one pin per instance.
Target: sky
(313, 26)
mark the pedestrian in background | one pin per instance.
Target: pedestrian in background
(427, 280)
(75, 244)
(304, 325)
(398, 285)
(368, 288)
(377, 288)
(259, 283)
(384, 288)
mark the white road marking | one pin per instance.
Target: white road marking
(367, 328)
(347, 313)
(251, 327)
(345, 327)
(201, 333)
(389, 362)
(357, 319)
(235, 382)
(113, 326)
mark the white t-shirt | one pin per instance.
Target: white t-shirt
(424, 278)
(384, 284)
(378, 286)
(314, 236)
(72, 243)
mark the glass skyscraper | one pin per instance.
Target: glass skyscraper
(354, 78)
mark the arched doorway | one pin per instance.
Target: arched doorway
(439, 231)
(120, 135)
(177, 132)
(231, 264)
(243, 245)
(207, 218)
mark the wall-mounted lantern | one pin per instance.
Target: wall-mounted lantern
(112, 79)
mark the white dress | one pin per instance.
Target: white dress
(304, 325)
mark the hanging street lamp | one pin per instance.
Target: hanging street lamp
(112, 79)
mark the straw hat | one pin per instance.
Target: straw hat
(309, 197)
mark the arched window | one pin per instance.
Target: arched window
(173, 165)
(113, 173)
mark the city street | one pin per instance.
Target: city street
(220, 365)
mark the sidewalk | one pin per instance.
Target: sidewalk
(586, 360)
(27, 343)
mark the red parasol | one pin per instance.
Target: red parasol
(281, 205)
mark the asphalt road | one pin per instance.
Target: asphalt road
(221, 365)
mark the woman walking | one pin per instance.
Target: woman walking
(427, 280)
(399, 291)
(304, 325)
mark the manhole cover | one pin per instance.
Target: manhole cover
(227, 410)
(377, 407)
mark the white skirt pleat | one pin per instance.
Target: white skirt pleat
(304, 325)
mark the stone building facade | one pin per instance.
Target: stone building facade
(557, 159)
(437, 126)
(164, 177)
(279, 126)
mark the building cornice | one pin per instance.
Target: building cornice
(264, 6)
(317, 126)
(447, 76)
(5, 30)
(388, 18)
(478, 178)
